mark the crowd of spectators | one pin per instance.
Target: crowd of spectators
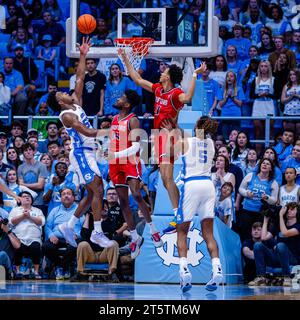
(254, 74)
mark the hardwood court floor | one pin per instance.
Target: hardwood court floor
(63, 290)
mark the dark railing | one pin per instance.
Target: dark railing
(95, 119)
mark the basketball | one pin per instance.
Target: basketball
(86, 24)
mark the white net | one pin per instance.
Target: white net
(135, 49)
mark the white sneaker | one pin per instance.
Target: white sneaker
(68, 234)
(217, 278)
(185, 280)
(100, 239)
(157, 240)
(135, 247)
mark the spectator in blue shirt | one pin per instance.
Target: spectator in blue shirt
(55, 240)
(242, 44)
(14, 80)
(233, 63)
(255, 25)
(57, 183)
(206, 95)
(279, 26)
(293, 162)
(116, 85)
(285, 146)
(231, 103)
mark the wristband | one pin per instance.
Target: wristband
(195, 75)
(9, 232)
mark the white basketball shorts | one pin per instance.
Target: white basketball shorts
(84, 162)
(197, 197)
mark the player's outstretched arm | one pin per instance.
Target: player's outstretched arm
(80, 74)
(71, 121)
(134, 75)
(187, 97)
(6, 190)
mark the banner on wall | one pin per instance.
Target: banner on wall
(161, 265)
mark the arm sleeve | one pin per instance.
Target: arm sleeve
(274, 194)
(244, 185)
(129, 151)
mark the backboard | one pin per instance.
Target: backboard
(191, 31)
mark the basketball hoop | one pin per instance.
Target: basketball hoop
(135, 48)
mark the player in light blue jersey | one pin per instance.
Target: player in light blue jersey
(82, 155)
(197, 197)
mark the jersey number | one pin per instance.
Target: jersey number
(157, 111)
(203, 156)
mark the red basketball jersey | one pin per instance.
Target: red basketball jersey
(167, 104)
(119, 135)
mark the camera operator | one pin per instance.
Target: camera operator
(8, 244)
(257, 186)
(287, 250)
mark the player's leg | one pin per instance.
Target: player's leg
(188, 206)
(207, 213)
(134, 185)
(136, 240)
(96, 189)
(184, 273)
(67, 228)
(166, 172)
(207, 233)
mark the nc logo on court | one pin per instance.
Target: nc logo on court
(167, 251)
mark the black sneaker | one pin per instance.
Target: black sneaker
(78, 277)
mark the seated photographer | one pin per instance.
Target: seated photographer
(8, 244)
(254, 188)
(88, 252)
(287, 250)
(54, 238)
(290, 192)
(27, 221)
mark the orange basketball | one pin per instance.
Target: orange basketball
(86, 24)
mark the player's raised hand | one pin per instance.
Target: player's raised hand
(202, 68)
(85, 46)
(167, 124)
(122, 53)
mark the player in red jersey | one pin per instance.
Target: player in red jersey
(169, 100)
(125, 166)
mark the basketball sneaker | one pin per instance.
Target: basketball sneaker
(185, 280)
(217, 277)
(258, 281)
(59, 273)
(157, 240)
(135, 247)
(101, 240)
(171, 227)
(68, 233)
